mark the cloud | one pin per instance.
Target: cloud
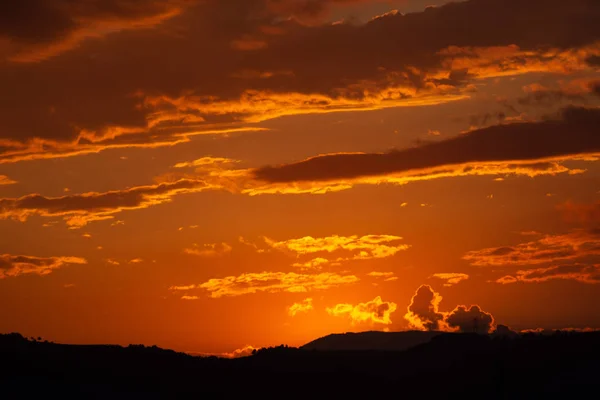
(471, 319)
(252, 186)
(375, 311)
(576, 244)
(451, 278)
(127, 94)
(205, 162)
(364, 247)
(238, 353)
(209, 250)
(190, 297)
(302, 307)
(315, 263)
(5, 180)
(13, 266)
(583, 273)
(40, 29)
(79, 209)
(574, 133)
(376, 274)
(270, 282)
(423, 310)
(424, 314)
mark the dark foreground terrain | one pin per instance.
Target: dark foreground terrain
(561, 365)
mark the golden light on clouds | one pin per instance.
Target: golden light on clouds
(272, 163)
(452, 278)
(576, 244)
(375, 311)
(270, 282)
(15, 265)
(302, 307)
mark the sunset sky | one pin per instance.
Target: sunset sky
(206, 175)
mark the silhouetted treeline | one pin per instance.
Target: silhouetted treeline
(565, 364)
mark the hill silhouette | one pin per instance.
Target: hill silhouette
(449, 365)
(373, 340)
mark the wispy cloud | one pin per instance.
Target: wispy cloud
(584, 273)
(451, 278)
(302, 307)
(270, 282)
(16, 265)
(549, 248)
(209, 250)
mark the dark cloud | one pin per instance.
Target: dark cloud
(574, 133)
(79, 209)
(471, 319)
(595, 88)
(146, 84)
(593, 60)
(35, 21)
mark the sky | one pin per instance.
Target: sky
(213, 176)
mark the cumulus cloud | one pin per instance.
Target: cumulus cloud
(375, 311)
(413, 59)
(550, 248)
(237, 353)
(451, 278)
(574, 133)
(13, 266)
(423, 310)
(471, 319)
(302, 307)
(270, 282)
(424, 314)
(584, 273)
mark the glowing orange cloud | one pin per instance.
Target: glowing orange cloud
(12, 266)
(303, 307)
(451, 278)
(79, 210)
(270, 282)
(368, 246)
(5, 180)
(576, 244)
(315, 263)
(209, 250)
(375, 311)
(577, 272)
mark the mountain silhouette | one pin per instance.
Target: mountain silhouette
(372, 340)
(448, 365)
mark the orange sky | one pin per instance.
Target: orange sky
(207, 175)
